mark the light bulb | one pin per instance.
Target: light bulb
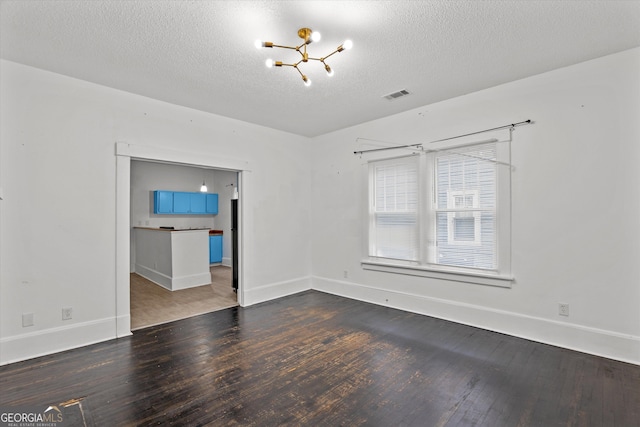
(203, 189)
(269, 63)
(315, 36)
(258, 44)
(306, 80)
(348, 44)
(329, 70)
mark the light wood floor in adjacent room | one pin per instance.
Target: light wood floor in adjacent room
(151, 304)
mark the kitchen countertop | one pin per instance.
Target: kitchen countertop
(176, 229)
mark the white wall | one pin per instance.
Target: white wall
(576, 210)
(575, 206)
(58, 217)
(149, 176)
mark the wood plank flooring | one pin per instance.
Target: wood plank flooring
(314, 359)
(151, 304)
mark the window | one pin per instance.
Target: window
(447, 210)
(394, 214)
(465, 207)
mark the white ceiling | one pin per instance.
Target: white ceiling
(201, 54)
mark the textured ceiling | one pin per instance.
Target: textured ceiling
(201, 54)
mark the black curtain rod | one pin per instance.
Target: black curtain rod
(510, 126)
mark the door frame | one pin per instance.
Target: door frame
(124, 153)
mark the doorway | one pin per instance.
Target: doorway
(125, 154)
(151, 302)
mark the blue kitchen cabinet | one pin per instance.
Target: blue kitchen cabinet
(189, 203)
(183, 202)
(215, 248)
(163, 202)
(212, 204)
(198, 202)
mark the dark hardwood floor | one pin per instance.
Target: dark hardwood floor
(320, 360)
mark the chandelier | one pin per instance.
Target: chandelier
(308, 36)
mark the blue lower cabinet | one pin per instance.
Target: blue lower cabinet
(215, 248)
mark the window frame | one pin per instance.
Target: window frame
(425, 266)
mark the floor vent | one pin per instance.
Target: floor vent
(397, 94)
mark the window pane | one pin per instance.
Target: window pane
(462, 249)
(464, 228)
(396, 187)
(396, 236)
(394, 228)
(465, 207)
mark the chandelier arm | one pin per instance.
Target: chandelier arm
(298, 69)
(332, 53)
(285, 47)
(284, 64)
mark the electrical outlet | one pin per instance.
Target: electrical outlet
(27, 319)
(563, 309)
(67, 313)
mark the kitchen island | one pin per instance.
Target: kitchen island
(173, 258)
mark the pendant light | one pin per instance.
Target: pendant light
(203, 188)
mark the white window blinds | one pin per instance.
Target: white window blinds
(394, 209)
(440, 209)
(465, 207)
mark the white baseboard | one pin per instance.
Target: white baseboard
(625, 348)
(174, 283)
(154, 275)
(613, 345)
(276, 290)
(191, 281)
(54, 340)
(123, 325)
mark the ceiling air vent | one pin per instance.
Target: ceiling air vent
(397, 94)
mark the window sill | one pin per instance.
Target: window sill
(474, 277)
